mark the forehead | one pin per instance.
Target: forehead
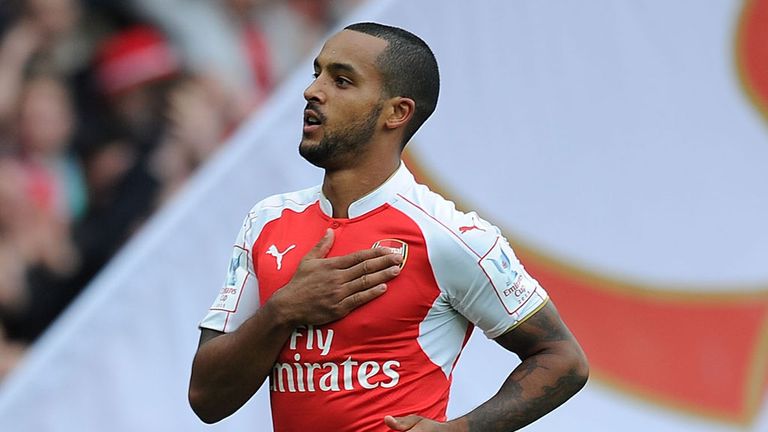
(352, 48)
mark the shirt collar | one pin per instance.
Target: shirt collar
(400, 181)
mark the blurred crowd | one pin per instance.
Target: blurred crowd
(106, 109)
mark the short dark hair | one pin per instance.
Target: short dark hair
(408, 68)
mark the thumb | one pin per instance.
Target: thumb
(321, 249)
(401, 423)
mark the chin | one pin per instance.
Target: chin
(307, 148)
(309, 151)
(308, 141)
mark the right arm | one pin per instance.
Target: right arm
(230, 367)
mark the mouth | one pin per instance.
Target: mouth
(312, 120)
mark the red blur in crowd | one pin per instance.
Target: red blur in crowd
(106, 110)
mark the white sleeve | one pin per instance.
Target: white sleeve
(474, 266)
(499, 294)
(238, 299)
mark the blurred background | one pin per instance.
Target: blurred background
(106, 108)
(620, 145)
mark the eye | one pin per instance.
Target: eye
(315, 75)
(342, 82)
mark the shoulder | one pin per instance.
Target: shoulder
(297, 200)
(440, 221)
(272, 207)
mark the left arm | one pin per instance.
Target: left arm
(553, 369)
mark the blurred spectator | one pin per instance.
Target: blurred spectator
(133, 69)
(63, 44)
(36, 257)
(14, 210)
(43, 195)
(14, 294)
(57, 184)
(18, 46)
(213, 44)
(106, 109)
(197, 124)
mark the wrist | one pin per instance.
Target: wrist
(279, 313)
(458, 425)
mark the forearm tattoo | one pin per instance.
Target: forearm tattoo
(542, 382)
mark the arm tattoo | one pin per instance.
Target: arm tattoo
(545, 379)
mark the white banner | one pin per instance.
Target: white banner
(619, 145)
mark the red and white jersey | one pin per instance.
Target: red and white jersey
(394, 355)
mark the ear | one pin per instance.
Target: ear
(401, 111)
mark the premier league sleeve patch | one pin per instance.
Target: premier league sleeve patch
(513, 286)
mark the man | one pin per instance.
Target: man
(356, 297)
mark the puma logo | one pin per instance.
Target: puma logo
(474, 226)
(279, 255)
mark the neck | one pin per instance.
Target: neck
(344, 186)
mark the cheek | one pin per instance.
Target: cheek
(356, 111)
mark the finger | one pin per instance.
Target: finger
(369, 280)
(357, 257)
(321, 249)
(402, 423)
(372, 265)
(357, 299)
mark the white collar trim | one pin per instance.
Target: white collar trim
(398, 182)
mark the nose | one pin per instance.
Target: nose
(313, 92)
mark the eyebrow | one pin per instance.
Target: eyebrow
(336, 67)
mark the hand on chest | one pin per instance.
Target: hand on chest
(278, 253)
